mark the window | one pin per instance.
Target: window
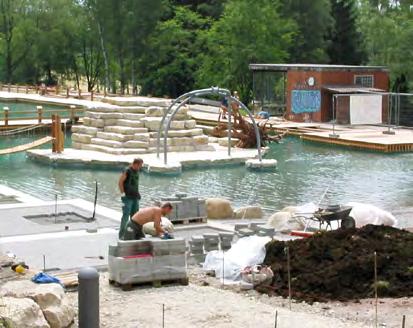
(364, 80)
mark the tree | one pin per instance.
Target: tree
(345, 40)
(248, 32)
(169, 66)
(313, 19)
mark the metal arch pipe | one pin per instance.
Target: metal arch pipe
(257, 131)
(168, 124)
(213, 90)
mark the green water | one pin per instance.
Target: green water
(30, 108)
(305, 170)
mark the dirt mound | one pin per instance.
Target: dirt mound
(339, 264)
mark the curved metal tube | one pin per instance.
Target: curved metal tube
(168, 124)
(201, 92)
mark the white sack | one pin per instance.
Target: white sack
(365, 214)
(149, 228)
(247, 251)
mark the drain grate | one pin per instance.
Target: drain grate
(58, 218)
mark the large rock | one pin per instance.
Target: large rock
(51, 298)
(21, 313)
(219, 208)
(249, 212)
(166, 224)
(82, 138)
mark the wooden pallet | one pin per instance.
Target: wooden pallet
(154, 283)
(190, 220)
(68, 279)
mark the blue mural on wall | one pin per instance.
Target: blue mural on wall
(305, 101)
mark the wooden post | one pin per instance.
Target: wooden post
(8, 87)
(91, 95)
(6, 116)
(72, 113)
(57, 89)
(39, 113)
(57, 134)
(79, 92)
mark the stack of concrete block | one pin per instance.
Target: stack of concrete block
(264, 231)
(239, 226)
(196, 248)
(253, 226)
(186, 208)
(125, 130)
(226, 240)
(147, 260)
(211, 241)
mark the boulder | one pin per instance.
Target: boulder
(219, 208)
(51, 298)
(249, 212)
(21, 313)
(166, 224)
(284, 221)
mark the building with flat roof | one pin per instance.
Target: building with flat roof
(321, 93)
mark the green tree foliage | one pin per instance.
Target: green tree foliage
(346, 45)
(249, 31)
(169, 65)
(388, 36)
(313, 19)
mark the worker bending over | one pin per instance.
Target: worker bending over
(134, 227)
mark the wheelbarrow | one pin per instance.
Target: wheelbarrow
(324, 216)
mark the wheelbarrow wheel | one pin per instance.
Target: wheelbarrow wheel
(348, 223)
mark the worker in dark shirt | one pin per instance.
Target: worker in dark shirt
(129, 188)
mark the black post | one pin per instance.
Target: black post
(88, 297)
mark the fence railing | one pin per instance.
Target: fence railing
(40, 114)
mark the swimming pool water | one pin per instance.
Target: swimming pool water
(304, 172)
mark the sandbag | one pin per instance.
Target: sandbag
(166, 224)
(365, 214)
(219, 208)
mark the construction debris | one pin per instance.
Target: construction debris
(339, 265)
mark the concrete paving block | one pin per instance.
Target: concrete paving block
(264, 231)
(246, 232)
(253, 226)
(239, 226)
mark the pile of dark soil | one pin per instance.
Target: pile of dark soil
(339, 265)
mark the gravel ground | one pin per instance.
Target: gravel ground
(205, 303)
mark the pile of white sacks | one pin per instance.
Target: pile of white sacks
(294, 217)
(24, 304)
(122, 130)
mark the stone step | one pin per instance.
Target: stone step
(113, 151)
(156, 111)
(184, 133)
(130, 123)
(81, 138)
(124, 129)
(85, 129)
(107, 143)
(142, 137)
(97, 115)
(135, 144)
(153, 124)
(133, 116)
(181, 141)
(132, 109)
(114, 136)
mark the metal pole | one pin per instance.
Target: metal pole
(168, 125)
(289, 277)
(88, 297)
(229, 112)
(389, 112)
(276, 319)
(404, 321)
(334, 100)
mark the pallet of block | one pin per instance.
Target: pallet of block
(186, 221)
(69, 279)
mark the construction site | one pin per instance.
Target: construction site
(265, 229)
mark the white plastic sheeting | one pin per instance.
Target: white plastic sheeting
(369, 214)
(366, 109)
(247, 251)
